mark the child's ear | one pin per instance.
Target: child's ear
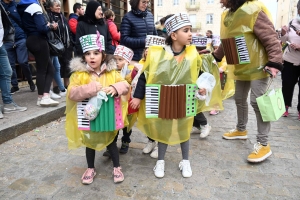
(173, 36)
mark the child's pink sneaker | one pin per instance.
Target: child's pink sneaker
(118, 175)
(214, 112)
(88, 176)
(285, 114)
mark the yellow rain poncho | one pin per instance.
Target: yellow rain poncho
(78, 138)
(232, 26)
(161, 67)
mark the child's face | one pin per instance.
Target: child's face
(120, 62)
(145, 53)
(183, 35)
(93, 58)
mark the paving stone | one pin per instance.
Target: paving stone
(21, 184)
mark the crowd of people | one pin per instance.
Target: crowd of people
(127, 69)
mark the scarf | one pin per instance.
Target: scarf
(140, 13)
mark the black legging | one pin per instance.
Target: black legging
(113, 150)
(38, 46)
(290, 76)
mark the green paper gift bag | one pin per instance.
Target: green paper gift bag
(271, 105)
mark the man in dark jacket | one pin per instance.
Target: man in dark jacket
(73, 19)
(17, 50)
(135, 26)
(6, 35)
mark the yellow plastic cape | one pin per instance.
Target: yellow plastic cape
(93, 140)
(229, 88)
(241, 22)
(209, 65)
(161, 67)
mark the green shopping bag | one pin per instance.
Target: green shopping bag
(271, 105)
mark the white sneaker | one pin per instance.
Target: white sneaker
(159, 169)
(53, 95)
(195, 130)
(38, 103)
(185, 168)
(13, 107)
(47, 101)
(63, 94)
(154, 153)
(149, 146)
(1, 115)
(204, 130)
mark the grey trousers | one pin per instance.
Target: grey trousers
(258, 88)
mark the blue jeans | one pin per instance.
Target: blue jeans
(5, 76)
(18, 52)
(57, 76)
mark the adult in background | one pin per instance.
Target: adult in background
(252, 20)
(5, 68)
(291, 71)
(17, 50)
(135, 26)
(91, 23)
(113, 29)
(73, 19)
(160, 27)
(61, 62)
(36, 28)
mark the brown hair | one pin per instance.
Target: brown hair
(108, 14)
(233, 5)
(144, 56)
(134, 4)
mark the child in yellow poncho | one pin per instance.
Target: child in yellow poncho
(88, 78)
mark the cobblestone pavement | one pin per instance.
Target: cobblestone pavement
(38, 165)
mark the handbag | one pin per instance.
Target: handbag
(271, 104)
(55, 44)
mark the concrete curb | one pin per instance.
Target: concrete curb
(30, 124)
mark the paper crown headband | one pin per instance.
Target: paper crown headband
(176, 22)
(92, 42)
(199, 41)
(153, 40)
(124, 52)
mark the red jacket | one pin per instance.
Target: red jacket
(113, 30)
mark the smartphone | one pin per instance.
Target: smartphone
(269, 72)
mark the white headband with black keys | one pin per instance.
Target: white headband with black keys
(176, 22)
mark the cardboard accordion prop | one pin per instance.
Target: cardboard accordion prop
(199, 41)
(170, 101)
(108, 119)
(153, 40)
(124, 52)
(92, 42)
(236, 50)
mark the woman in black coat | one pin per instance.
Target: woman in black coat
(90, 23)
(135, 26)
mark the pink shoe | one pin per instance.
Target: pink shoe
(285, 114)
(214, 112)
(118, 175)
(88, 176)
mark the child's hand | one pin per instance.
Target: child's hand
(135, 103)
(110, 90)
(202, 91)
(98, 86)
(221, 70)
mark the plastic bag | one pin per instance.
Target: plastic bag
(92, 108)
(206, 81)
